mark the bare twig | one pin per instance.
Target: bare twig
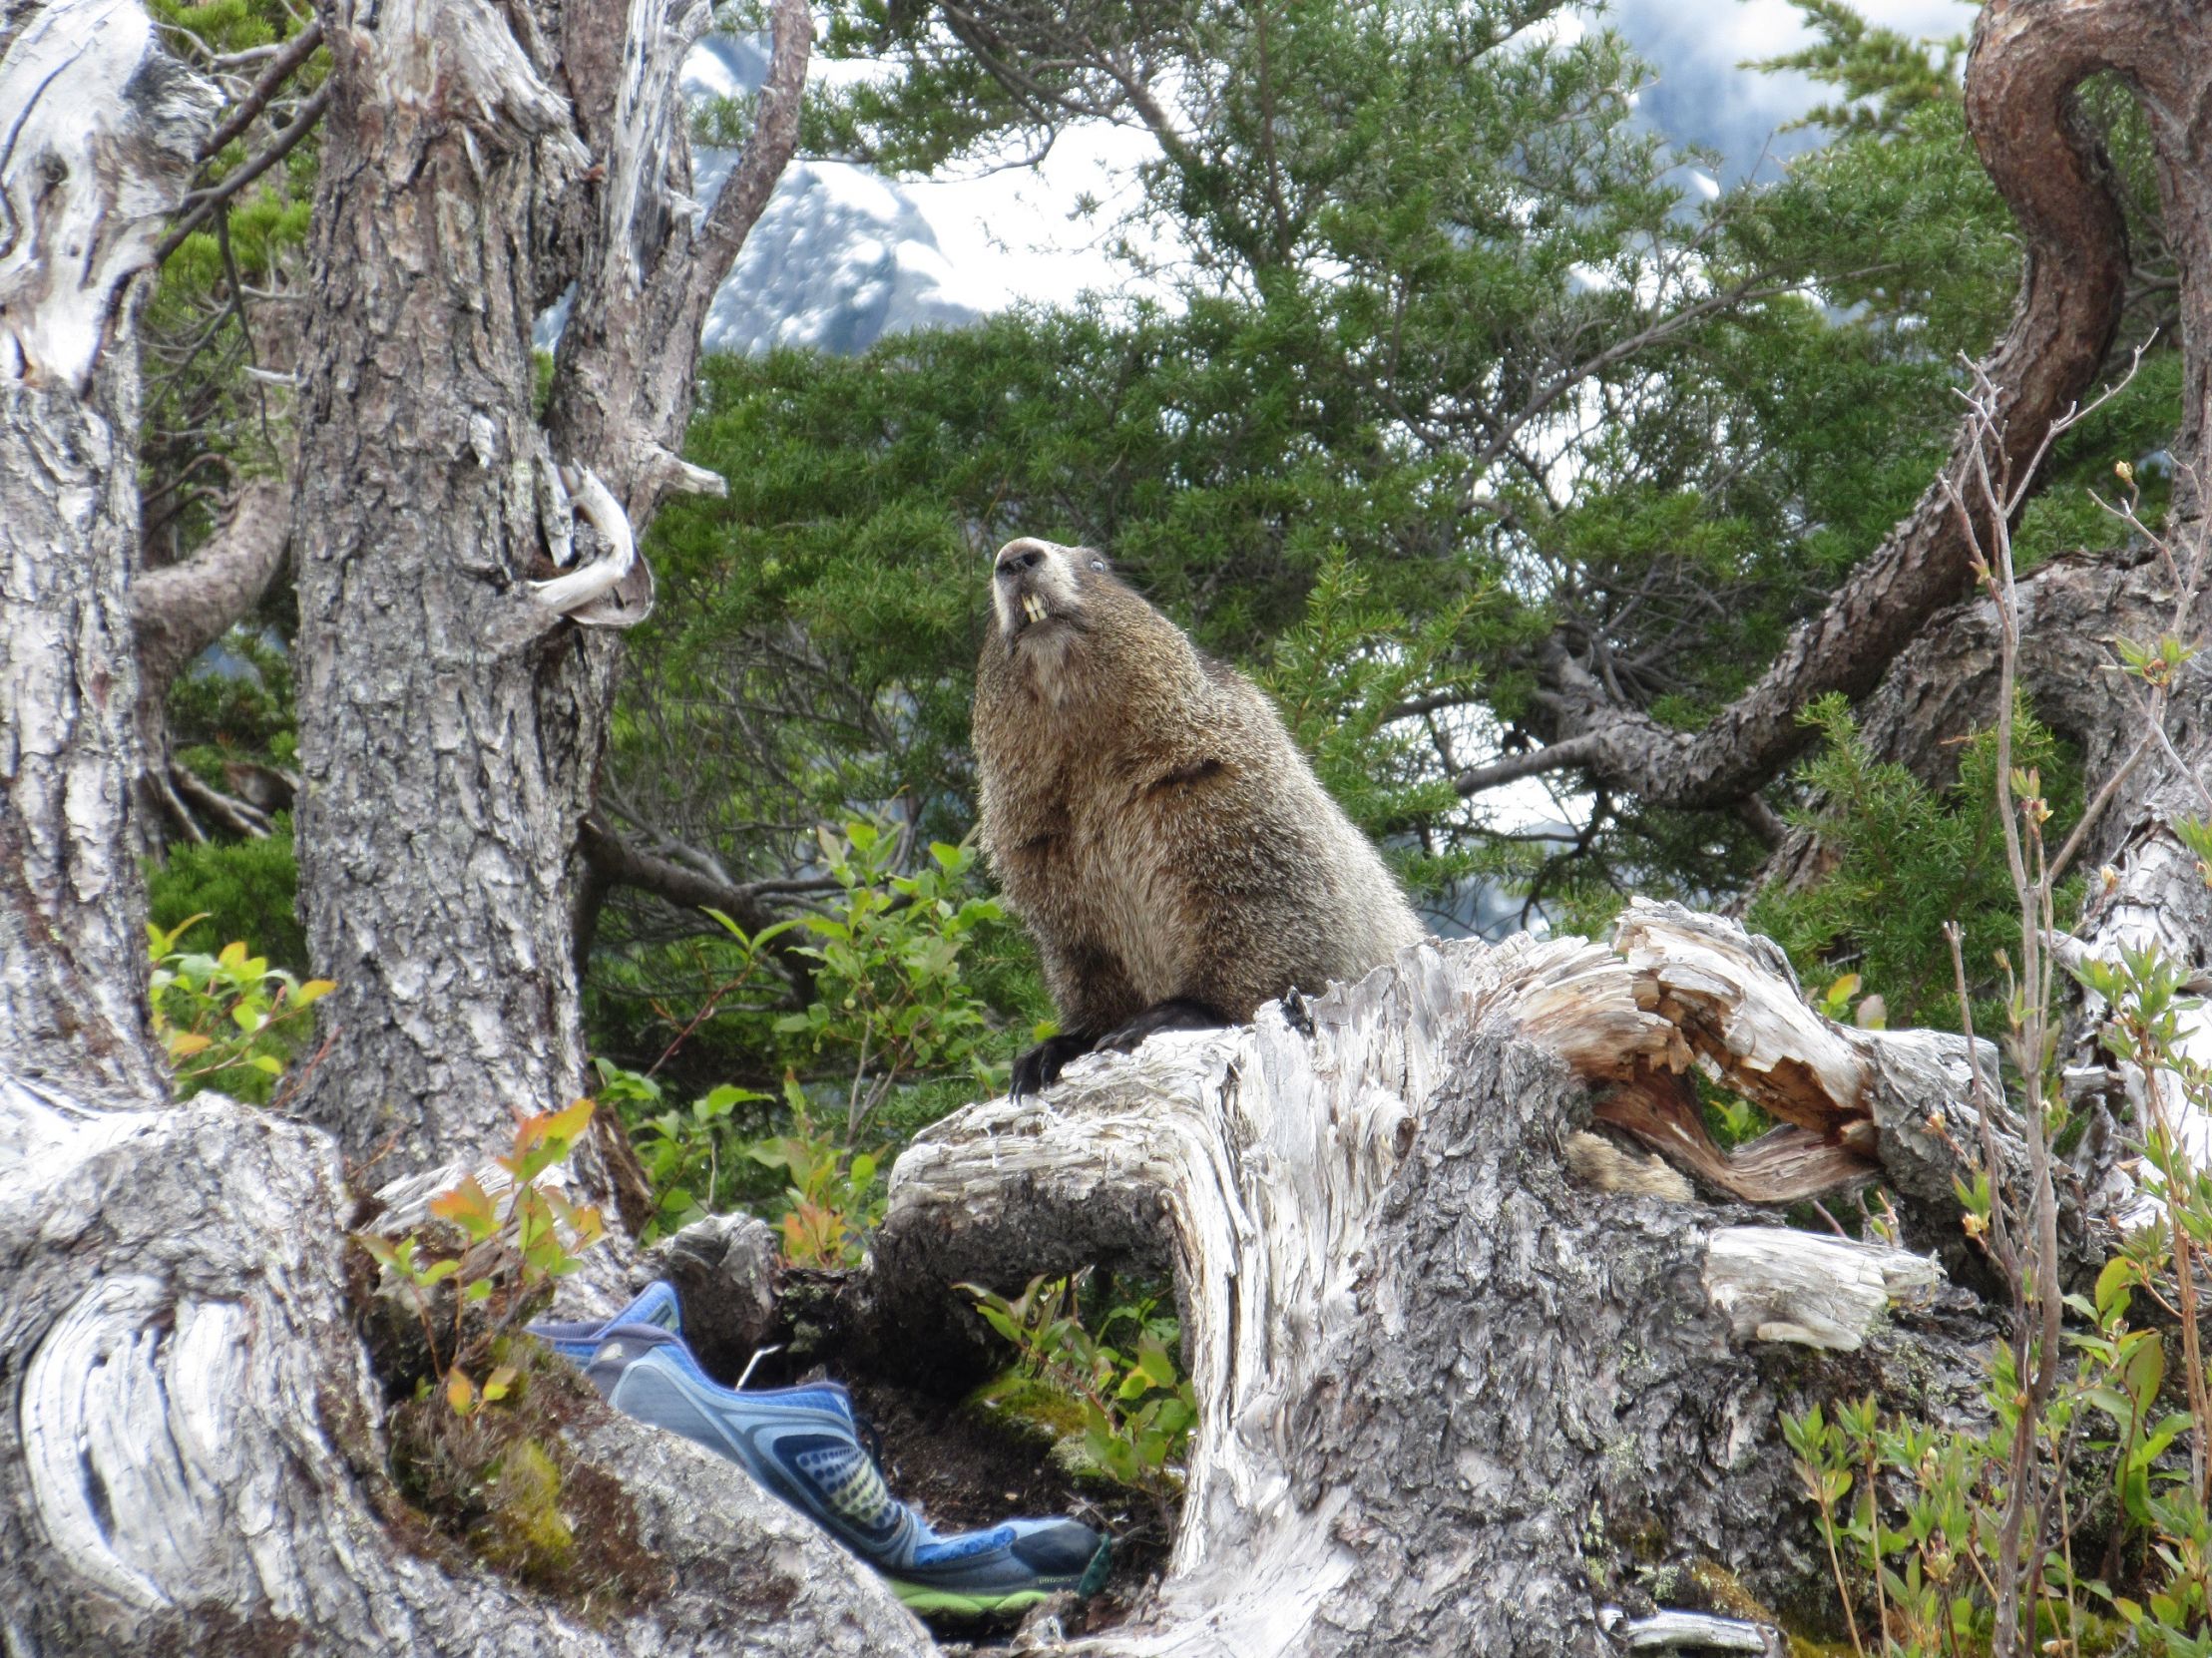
(206, 201)
(287, 58)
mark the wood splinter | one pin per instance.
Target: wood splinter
(587, 595)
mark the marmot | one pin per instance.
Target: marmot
(1150, 818)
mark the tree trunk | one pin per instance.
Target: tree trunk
(102, 131)
(452, 714)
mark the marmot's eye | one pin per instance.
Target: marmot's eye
(1098, 564)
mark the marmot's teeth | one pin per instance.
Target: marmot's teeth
(1033, 608)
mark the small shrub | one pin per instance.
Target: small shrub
(699, 1162)
(229, 1021)
(505, 1484)
(833, 1198)
(895, 1033)
(486, 1459)
(1909, 860)
(691, 1153)
(244, 889)
(1120, 1413)
(891, 999)
(497, 1258)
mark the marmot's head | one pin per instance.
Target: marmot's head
(1065, 628)
(1037, 588)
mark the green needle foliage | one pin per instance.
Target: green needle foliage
(1908, 859)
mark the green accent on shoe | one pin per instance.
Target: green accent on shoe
(928, 1600)
(920, 1599)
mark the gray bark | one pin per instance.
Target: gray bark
(191, 1450)
(440, 782)
(181, 610)
(104, 128)
(177, 612)
(452, 719)
(1450, 1401)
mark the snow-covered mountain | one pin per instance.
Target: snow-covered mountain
(840, 256)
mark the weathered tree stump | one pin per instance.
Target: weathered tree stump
(1452, 1397)
(1451, 1400)
(192, 1456)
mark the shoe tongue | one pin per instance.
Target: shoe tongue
(658, 1307)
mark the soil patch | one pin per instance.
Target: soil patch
(967, 1471)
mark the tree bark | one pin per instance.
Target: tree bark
(192, 1456)
(179, 610)
(438, 790)
(451, 720)
(104, 127)
(1449, 1400)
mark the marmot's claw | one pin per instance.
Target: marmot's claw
(1040, 1068)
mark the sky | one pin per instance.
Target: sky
(1010, 235)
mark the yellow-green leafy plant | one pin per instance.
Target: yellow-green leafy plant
(833, 1198)
(1135, 1406)
(500, 1259)
(891, 990)
(228, 1021)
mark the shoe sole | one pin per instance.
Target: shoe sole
(928, 1599)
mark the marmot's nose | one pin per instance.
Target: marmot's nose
(1017, 556)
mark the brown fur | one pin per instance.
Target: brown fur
(1148, 815)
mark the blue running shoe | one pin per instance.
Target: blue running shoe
(803, 1444)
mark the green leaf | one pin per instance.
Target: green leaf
(2112, 1286)
(470, 1207)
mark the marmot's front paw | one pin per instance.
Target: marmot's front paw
(1182, 1013)
(1040, 1068)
